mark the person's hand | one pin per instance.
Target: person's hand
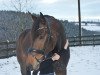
(66, 45)
(55, 57)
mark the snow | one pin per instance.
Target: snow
(91, 27)
(84, 60)
(9, 66)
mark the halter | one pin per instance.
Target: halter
(42, 51)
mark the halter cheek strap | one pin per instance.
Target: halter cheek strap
(36, 51)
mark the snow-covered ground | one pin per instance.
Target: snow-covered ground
(91, 27)
(84, 60)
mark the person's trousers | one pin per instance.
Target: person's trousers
(48, 74)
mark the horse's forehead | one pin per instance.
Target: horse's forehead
(52, 23)
(56, 23)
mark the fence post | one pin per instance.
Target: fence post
(7, 48)
(79, 18)
(74, 40)
(93, 39)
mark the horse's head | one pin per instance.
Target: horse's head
(41, 33)
(42, 37)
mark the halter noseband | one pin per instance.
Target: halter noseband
(36, 51)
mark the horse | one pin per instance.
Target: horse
(47, 34)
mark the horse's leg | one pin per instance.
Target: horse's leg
(35, 72)
(23, 70)
(28, 70)
(60, 72)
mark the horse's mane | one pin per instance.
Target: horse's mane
(24, 33)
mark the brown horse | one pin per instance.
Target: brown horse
(47, 34)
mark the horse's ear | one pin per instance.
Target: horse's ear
(41, 15)
(33, 16)
(42, 18)
(29, 13)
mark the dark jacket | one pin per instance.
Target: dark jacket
(46, 66)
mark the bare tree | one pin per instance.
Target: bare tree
(23, 5)
(20, 6)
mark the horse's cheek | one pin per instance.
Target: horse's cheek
(30, 60)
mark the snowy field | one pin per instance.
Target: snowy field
(84, 60)
(91, 27)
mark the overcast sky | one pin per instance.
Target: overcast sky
(61, 9)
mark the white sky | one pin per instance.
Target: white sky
(48, 1)
(61, 9)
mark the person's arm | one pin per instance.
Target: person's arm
(66, 45)
(49, 62)
(65, 49)
(46, 63)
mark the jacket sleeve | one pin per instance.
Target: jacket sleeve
(46, 63)
(63, 51)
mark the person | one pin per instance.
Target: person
(46, 67)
